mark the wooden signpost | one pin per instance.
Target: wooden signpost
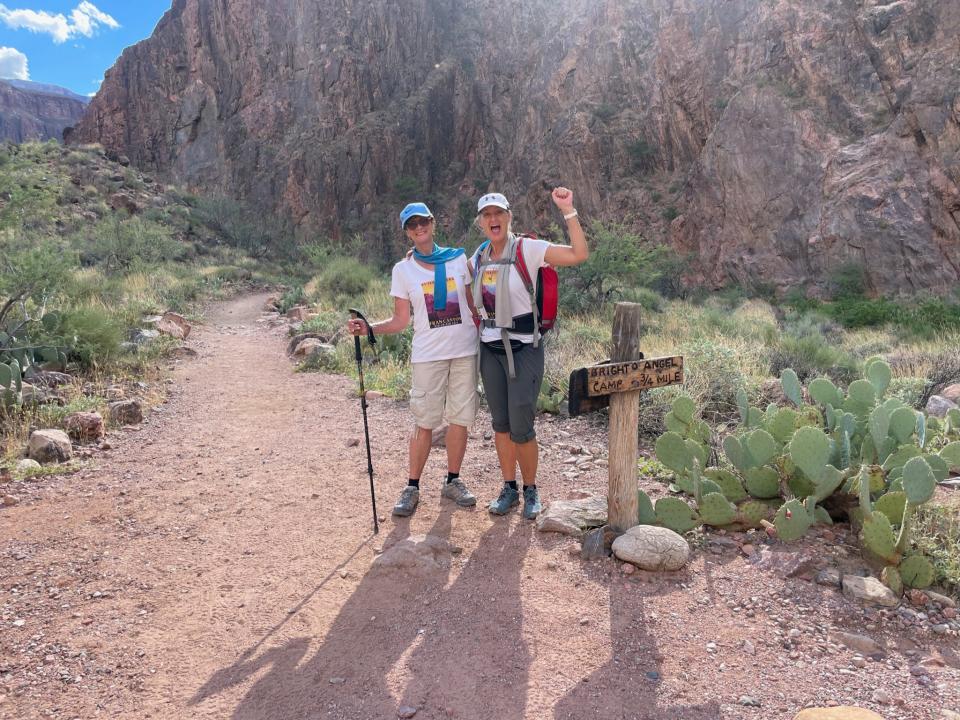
(618, 384)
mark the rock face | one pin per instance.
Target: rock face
(794, 137)
(31, 111)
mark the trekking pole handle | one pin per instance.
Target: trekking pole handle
(357, 315)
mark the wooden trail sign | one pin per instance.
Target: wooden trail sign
(617, 384)
(590, 385)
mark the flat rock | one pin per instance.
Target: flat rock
(652, 548)
(951, 393)
(841, 712)
(944, 600)
(416, 553)
(863, 644)
(789, 563)
(310, 346)
(573, 517)
(869, 590)
(49, 446)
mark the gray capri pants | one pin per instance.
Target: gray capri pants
(513, 403)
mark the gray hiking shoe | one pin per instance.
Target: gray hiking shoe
(408, 501)
(508, 498)
(457, 491)
(531, 502)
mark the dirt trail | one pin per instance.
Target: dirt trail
(219, 564)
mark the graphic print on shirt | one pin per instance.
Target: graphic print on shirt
(488, 291)
(449, 315)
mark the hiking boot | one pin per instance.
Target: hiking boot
(457, 491)
(531, 502)
(407, 502)
(508, 498)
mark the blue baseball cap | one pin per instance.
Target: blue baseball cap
(413, 209)
(493, 199)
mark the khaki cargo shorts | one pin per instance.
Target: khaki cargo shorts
(444, 390)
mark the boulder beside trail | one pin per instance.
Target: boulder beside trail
(869, 590)
(174, 325)
(126, 412)
(27, 465)
(84, 426)
(49, 446)
(652, 548)
(938, 406)
(422, 553)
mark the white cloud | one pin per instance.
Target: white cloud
(13, 64)
(84, 20)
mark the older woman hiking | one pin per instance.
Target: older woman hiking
(433, 281)
(511, 354)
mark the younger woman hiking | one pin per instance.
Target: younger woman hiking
(434, 281)
(511, 354)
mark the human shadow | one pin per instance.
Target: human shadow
(628, 686)
(348, 673)
(474, 662)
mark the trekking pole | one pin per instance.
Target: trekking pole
(356, 314)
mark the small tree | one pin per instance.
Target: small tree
(31, 276)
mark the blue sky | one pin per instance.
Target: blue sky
(71, 43)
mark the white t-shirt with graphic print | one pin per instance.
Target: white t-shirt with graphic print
(533, 254)
(437, 334)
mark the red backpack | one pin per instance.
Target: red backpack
(548, 289)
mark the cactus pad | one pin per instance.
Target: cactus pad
(890, 577)
(903, 423)
(861, 397)
(645, 513)
(763, 482)
(821, 516)
(675, 514)
(743, 405)
(916, 571)
(792, 520)
(791, 386)
(763, 448)
(697, 452)
(891, 504)
(782, 424)
(878, 537)
(878, 373)
(672, 451)
(918, 481)
(6, 376)
(801, 486)
(729, 484)
(716, 510)
(673, 424)
(752, 512)
(684, 408)
(810, 450)
(900, 457)
(879, 425)
(823, 392)
(737, 454)
(951, 454)
(941, 470)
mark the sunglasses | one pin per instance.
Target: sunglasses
(416, 222)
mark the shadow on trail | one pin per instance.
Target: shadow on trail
(628, 686)
(403, 638)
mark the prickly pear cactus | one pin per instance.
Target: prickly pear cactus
(878, 537)
(918, 481)
(728, 483)
(810, 450)
(825, 393)
(645, 513)
(672, 451)
(763, 483)
(916, 571)
(892, 504)
(890, 576)
(716, 510)
(792, 520)
(791, 387)
(675, 514)
(877, 371)
(751, 512)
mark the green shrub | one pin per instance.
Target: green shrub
(809, 356)
(345, 277)
(848, 280)
(292, 297)
(712, 376)
(93, 334)
(643, 155)
(670, 214)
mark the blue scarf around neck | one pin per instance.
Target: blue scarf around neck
(438, 258)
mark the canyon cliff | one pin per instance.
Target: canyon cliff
(771, 141)
(33, 111)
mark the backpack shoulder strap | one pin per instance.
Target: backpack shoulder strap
(521, 265)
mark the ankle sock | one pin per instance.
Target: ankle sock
(534, 486)
(414, 483)
(451, 476)
(512, 484)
